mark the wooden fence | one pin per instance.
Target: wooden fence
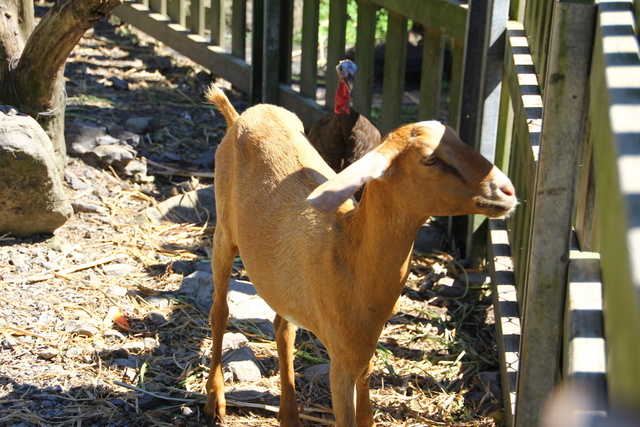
(549, 90)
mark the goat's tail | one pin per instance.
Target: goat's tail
(216, 96)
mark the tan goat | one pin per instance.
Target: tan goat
(321, 261)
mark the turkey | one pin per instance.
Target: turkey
(342, 137)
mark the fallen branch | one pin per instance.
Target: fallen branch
(174, 171)
(72, 269)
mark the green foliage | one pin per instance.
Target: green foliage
(382, 16)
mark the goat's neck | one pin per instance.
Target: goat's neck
(383, 237)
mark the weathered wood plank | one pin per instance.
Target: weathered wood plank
(584, 361)
(305, 108)
(616, 140)
(506, 312)
(309, 55)
(196, 23)
(526, 102)
(335, 46)
(446, 16)
(364, 57)
(257, 50)
(271, 52)
(564, 115)
(217, 23)
(239, 29)
(191, 45)
(285, 41)
(431, 77)
(178, 11)
(395, 57)
(158, 6)
(457, 72)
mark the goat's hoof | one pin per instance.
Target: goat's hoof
(215, 410)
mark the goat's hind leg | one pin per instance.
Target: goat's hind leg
(285, 338)
(224, 252)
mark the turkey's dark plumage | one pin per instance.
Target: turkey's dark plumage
(343, 136)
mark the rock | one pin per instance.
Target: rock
(247, 392)
(317, 373)
(123, 135)
(158, 301)
(80, 206)
(244, 302)
(119, 84)
(242, 364)
(195, 206)
(233, 340)
(138, 124)
(32, 197)
(47, 352)
(118, 269)
(449, 287)
(82, 138)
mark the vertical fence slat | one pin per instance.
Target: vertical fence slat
(431, 77)
(584, 364)
(178, 11)
(197, 17)
(395, 57)
(457, 71)
(505, 303)
(616, 139)
(309, 56)
(257, 53)
(365, 57)
(335, 46)
(563, 129)
(285, 42)
(271, 51)
(217, 22)
(158, 6)
(239, 29)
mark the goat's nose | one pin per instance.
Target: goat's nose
(507, 189)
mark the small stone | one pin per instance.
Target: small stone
(112, 333)
(73, 353)
(138, 124)
(233, 340)
(449, 287)
(85, 207)
(119, 84)
(47, 352)
(117, 291)
(118, 269)
(155, 317)
(317, 373)
(158, 301)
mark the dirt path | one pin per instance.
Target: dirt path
(66, 361)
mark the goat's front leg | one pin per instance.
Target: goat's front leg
(223, 256)
(343, 394)
(350, 395)
(285, 338)
(364, 410)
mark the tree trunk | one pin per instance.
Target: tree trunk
(32, 59)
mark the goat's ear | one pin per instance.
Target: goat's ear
(331, 194)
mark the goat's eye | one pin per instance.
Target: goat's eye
(429, 161)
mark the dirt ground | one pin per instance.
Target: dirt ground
(93, 330)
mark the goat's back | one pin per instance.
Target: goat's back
(265, 168)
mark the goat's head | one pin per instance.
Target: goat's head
(428, 170)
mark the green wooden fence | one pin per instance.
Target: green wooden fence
(549, 90)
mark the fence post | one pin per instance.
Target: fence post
(563, 131)
(480, 106)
